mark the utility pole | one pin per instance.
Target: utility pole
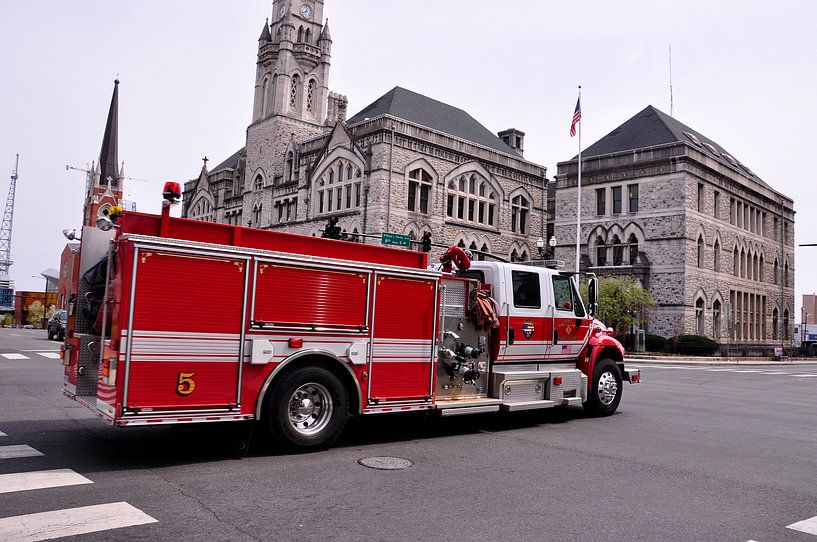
(6, 225)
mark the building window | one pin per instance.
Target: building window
(601, 252)
(293, 91)
(761, 270)
(618, 251)
(776, 271)
(717, 255)
(700, 251)
(775, 324)
(699, 317)
(290, 167)
(259, 182)
(472, 199)
(785, 233)
(418, 190)
(786, 324)
(256, 215)
(601, 201)
(716, 319)
(735, 263)
(786, 274)
(310, 95)
(520, 208)
(632, 198)
(633, 242)
(732, 211)
(280, 206)
(700, 198)
(357, 194)
(742, 264)
(755, 268)
(717, 204)
(616, 200)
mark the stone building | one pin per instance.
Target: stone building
(711, 240)
(405, 164)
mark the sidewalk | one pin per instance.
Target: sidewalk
(641, 357)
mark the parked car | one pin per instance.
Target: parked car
(56, 325)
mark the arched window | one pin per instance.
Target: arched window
(294, 90)
(755, 268)
(775, 323)
(618, 251)
(699, 316)
(265, 97)
(256, 213)
(300, 34)
(259, 182)
(340, 172)
(484, 251)
(290, 167)
(716, 319)
(310, 95)
(717, 255)
(742, 263)
(633, 242)
(786, 274)
(524, 256)
(331, 176)
(601, 252)
(700, 251)
(735, 264)
(520, 207)
(786, 324)
(514, 256)
(776, 271)
(762, 271)
(308, 36)
(419, 187)
(466, 202)
(348, 172)
(320, 196)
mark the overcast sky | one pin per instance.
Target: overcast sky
(743, 74)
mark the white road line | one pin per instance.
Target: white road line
(39, 350)
(804, 376)
(3, 434)
(774, 373)
(26, 481)
(719, 370)
(18, 450)
(71, 522)
(14, 356)
(50, 355)
(808, 526)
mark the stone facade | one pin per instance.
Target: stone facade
(304, 163)
(715, 244)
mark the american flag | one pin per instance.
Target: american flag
(577, 116)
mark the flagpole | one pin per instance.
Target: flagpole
(579, 194)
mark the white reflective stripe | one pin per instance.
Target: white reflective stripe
(14, 356)
(18, 450)
(182, 334)
(401, 360)
(50, 355)
(402, 341)
(808, 526)
(71, 522)
(26, 481)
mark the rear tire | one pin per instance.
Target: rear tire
(307, 410)
(605, 392)
(50, 335)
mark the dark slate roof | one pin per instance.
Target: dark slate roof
(651, 127)
(419, 109)
(229, 163)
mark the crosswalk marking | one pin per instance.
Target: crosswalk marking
(14, 356)
(50, 355)
(26, 481)
(808, 526)
(3, 434)
(18, 450)
(71, 522)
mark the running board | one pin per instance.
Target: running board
(468, 406)
(527, 405)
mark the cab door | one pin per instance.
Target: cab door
(571, 324)
(525, 325)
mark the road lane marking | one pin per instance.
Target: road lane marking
(18, 450)
(804, 376)
(72, 521)
(3, 434)
(39, 350)
(42, 479)
(14, 356)
(50, 355)
(808, 526)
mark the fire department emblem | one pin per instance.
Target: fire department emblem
(568, 329)
(528, 329)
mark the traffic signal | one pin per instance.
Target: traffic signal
(426, 242)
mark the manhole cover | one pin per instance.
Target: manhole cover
(386, 463)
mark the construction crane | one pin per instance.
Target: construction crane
(6, 284)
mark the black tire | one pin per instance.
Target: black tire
(61, 336)
(307, 410)
(604, 394)
(50, 335)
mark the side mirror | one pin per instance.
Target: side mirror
(593, 295)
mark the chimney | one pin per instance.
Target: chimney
(513, 138)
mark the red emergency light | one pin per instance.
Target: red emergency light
(557, 381)
(172, 192)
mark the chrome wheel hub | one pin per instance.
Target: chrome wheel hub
(310, 408)
(608, 388)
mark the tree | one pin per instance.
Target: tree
(35, 312)
(623, 302)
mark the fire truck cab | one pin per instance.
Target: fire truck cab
(179, 321)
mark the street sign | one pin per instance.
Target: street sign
(395, 240)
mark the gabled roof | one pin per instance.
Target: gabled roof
(651, 127)
(419, 109)
(229, 163)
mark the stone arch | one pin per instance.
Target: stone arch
(717, 315)
(700, 306)
(475, 166)
(251, 180)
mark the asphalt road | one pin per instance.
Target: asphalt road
(694, 453)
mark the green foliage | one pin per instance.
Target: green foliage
(35, 312)
(655, 343)
(695, 345)
(623, 302)
(7, 320)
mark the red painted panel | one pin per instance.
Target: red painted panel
(157, 384)
(400, 380)
(306, 296)
(404, 308)
(188, 293)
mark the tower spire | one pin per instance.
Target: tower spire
(109, 154)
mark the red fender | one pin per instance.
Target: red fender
(456, 255)
(599, 341)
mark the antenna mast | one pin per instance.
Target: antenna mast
(671, 108)
(5, 227)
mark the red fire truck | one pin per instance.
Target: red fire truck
(180, 321)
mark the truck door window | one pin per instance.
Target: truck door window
(526, 290)
(565, 296)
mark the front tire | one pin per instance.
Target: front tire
(605, 392)
(308, 409)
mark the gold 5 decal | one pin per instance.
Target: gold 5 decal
(185, 385)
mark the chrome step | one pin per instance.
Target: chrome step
(468, 406)
(527, 405)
